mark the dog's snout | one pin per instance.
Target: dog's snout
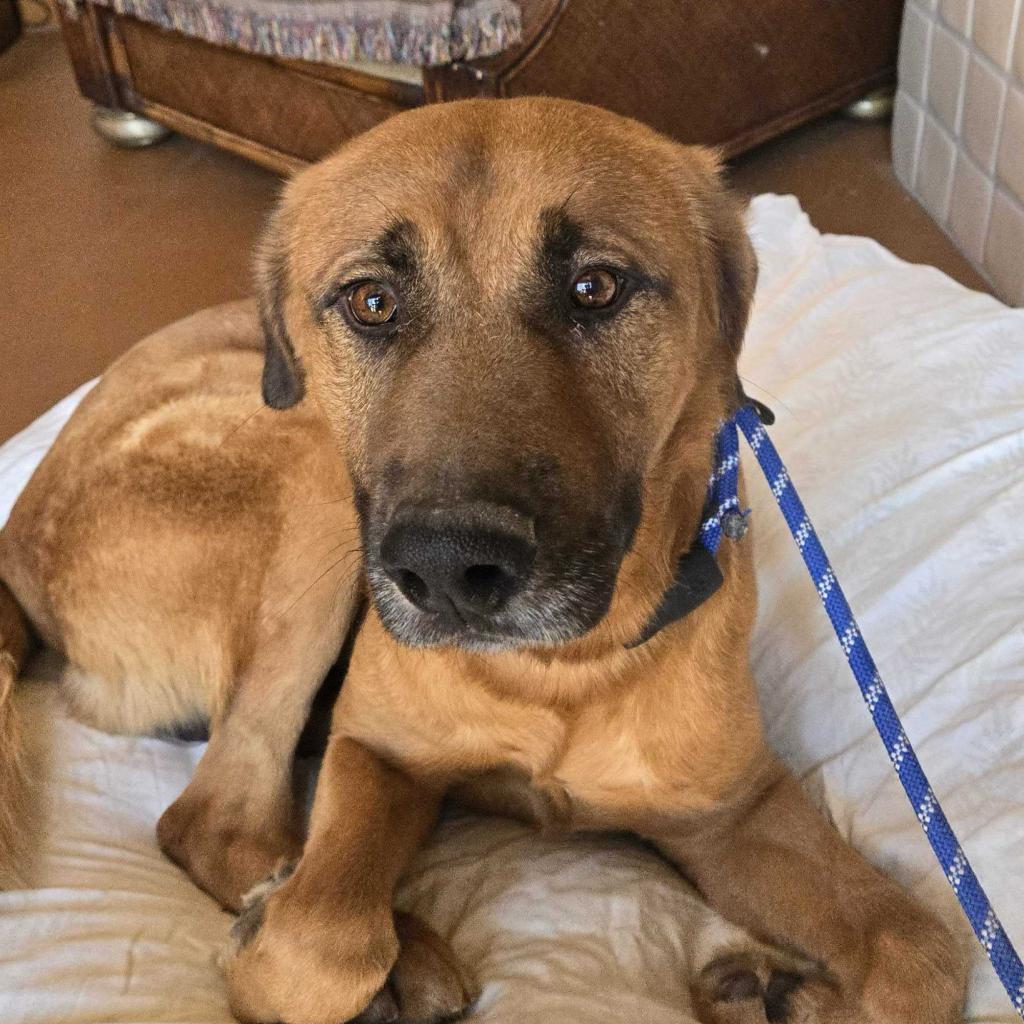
(463, 561)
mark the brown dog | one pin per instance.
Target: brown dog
(517, 325)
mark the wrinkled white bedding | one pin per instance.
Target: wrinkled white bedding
(900, 398)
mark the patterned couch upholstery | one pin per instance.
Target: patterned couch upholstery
(338, 32)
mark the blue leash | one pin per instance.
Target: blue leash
(726, 518)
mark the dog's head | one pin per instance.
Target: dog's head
(521, 319)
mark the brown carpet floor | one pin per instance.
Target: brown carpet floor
(99, 246)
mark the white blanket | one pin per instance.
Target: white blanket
(899, 397)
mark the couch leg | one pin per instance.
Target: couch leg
(872, 106)
(127, 130)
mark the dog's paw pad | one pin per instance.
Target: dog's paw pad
(731, 979)
(428, 983)
(762, 987)
(404, 1000)
(254, 905)
(383, 1009)
(779, 993)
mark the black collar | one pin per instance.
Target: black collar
(697, 578)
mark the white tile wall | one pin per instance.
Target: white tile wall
(993, 29)
(1010, 162)
(958, 129)
(957, 15)
(969, 208)
(983, 103)
(1004, 248)
(914, 45)
(935, 170)
(946, 69)
(906, 136)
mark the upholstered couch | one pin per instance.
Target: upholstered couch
(727, 72)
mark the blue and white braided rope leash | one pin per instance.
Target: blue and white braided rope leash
(725, 517)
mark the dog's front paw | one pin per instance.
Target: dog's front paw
(300, 961)
(427, 984)
(225, 852)
(758, 985)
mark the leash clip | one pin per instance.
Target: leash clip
(735, 524)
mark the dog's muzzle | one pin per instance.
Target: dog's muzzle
(459, 564)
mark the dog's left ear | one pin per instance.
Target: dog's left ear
(284, 380)
(735, 261)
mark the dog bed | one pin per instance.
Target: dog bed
(898, 395)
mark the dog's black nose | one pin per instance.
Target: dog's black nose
(463, 561)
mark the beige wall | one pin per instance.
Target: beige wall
(958, 132)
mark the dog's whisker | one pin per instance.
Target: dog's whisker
(329, 569)
(569, 198)
(235, 429)
(330, 501)
(380, 202)
(331, 551)
(337, 590)
(336, 531)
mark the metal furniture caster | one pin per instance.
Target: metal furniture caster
(127, 130)
(873, 106)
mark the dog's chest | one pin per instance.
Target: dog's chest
(593, 767)
(575, 774)
(587, 790)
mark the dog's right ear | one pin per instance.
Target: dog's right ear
(733, 253)
(284, 380)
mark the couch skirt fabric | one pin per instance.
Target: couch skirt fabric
(338, 32)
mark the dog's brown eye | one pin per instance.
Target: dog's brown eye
(372, 303)
(595, 289)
